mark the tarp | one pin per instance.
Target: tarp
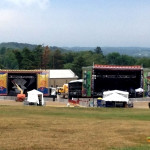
(34, 95)
(115, 97)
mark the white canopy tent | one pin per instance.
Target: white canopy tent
(139, 90)
(36, 97)
(116, 97)
(122, 93)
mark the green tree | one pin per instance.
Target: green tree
(69, 57)
(127, 60)
(27, 59)
(9, 60)
(91, 57)
(87, 56)
(37, 57)
(144, 61)
(117, 59)
(68, 66)
(113, 58)
(99, 59)
(45, 57)
(3, 50)
(78, 63)
(57, 60)
(18, 56)
(98, 50)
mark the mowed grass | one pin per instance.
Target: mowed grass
(50, 128)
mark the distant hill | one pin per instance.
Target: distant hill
(131, 51)
(79, 48)
(15, 45)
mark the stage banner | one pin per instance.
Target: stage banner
(147, 83)
(43, 82)
(3, 83)
(87, 77)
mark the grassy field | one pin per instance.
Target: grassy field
(50, 128)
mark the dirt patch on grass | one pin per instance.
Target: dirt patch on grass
(139, 104)
(48, 103)
(56, 104)
(10, 102)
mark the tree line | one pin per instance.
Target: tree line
(42, 57)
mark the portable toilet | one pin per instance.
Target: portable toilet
(99, 102)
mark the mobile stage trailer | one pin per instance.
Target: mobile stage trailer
(27, 80)
(100, 78)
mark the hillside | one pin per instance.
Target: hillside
(15, 45)
(131, 51)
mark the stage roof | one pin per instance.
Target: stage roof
(22, 71)
(62, 73)
(117, 67)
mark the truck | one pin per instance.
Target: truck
(63, 91)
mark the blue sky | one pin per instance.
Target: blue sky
(76, 22)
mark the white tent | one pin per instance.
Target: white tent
(139, 90)
(115, 97)
(122, 93)
(36, 97)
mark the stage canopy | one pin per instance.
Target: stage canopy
(117, 67)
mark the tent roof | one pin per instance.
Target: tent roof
(34, 92)
(139, 90)
(80, 80)
(116, 97)
(116, 91)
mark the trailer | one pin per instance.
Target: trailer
(75, 91)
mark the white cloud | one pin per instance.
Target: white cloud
(43, 4)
